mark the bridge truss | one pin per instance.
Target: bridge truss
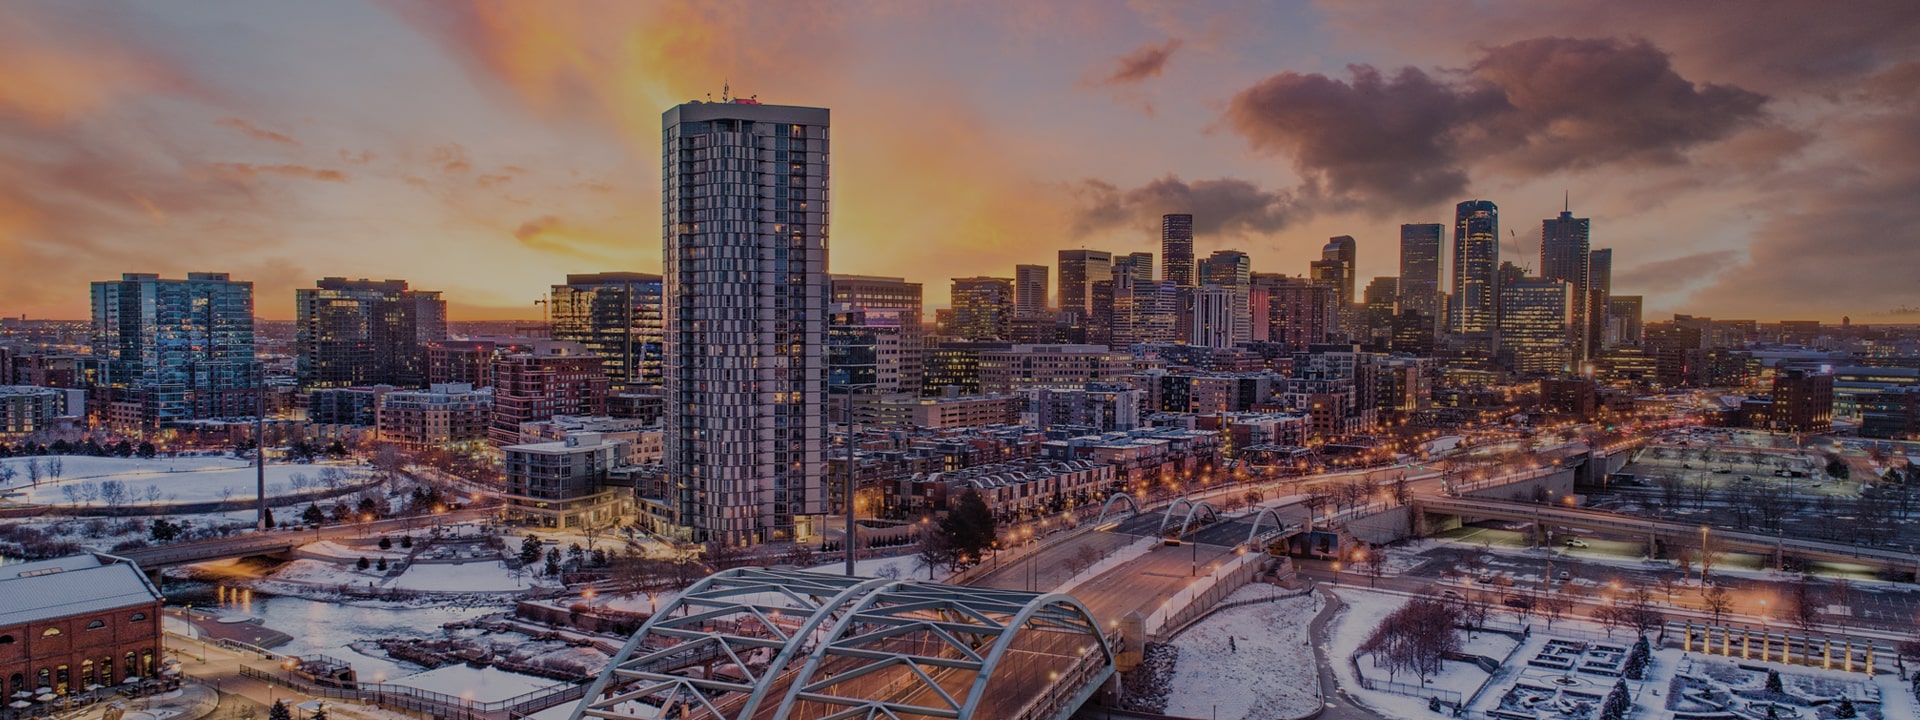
(759, 643)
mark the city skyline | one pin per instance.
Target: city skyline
(505, 148)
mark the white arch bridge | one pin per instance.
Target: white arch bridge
(774, 644)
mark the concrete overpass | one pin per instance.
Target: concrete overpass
(281, 541)
(1656, 530)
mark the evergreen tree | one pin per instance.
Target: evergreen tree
(1615, 706)
(1845, 710)
(553, 562)
(363, 564)
(406, 541)
(146, 450)
(386, 544)
(529, 551)
(380, 565)
(279, 711)
(313, 515)
(969, 525)
(1636, 666)
(163, 530)
(269, 518)
(367, 507)
(1773, 682)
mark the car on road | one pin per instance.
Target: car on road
(1451, 595)
(1576, 543)
(1517, 601)
(1565, 576)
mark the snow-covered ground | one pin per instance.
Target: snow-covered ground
(905, 567)
(477, 576)
(1248, 662)
(1363, 612)
(477, 684)
(165, 480)
(343, 630)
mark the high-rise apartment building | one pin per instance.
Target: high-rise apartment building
(172, 350)
(983, 308)
(1232, 270)
(1176, 248)
(745, 193)
(350, 333)
(890, 306)
(1139, 264)
(1564, 254)
(1476, 271)
(1029, 290)
(1599, 289)
(615, 315)
(1079, 269)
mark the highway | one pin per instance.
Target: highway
(1606, 521)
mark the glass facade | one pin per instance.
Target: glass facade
(351, 333)
(1476, 268)
(175, 349)
(617, 317)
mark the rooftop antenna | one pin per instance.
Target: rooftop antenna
(726, 91)
(1567, 207)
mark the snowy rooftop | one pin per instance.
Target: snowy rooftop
(72, 585)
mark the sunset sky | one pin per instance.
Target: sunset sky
(1744, 160)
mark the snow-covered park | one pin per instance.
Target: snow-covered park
(84, 480)
(1252, 661)
(1566, 672)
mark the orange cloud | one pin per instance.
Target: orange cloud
(256, 132)
(249, 171)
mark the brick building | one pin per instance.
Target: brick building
(75, 621)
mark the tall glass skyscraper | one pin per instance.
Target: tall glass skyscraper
(745, 216)
(1420, 248)
(1476, 270)
(1564, 256)
(1176, 248)
(1599, 290)
(170, 350)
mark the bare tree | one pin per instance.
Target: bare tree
(1718, 602)
(1553, 607)
(933, 551)
(1416, 638)
(1803, 604)
(113, 493)
(34, 471)
(56, 467)
(7, 474)
(153, 494)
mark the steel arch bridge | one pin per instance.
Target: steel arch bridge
(771, 644)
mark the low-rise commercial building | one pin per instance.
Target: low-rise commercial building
(72, 622)
(564, 484)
